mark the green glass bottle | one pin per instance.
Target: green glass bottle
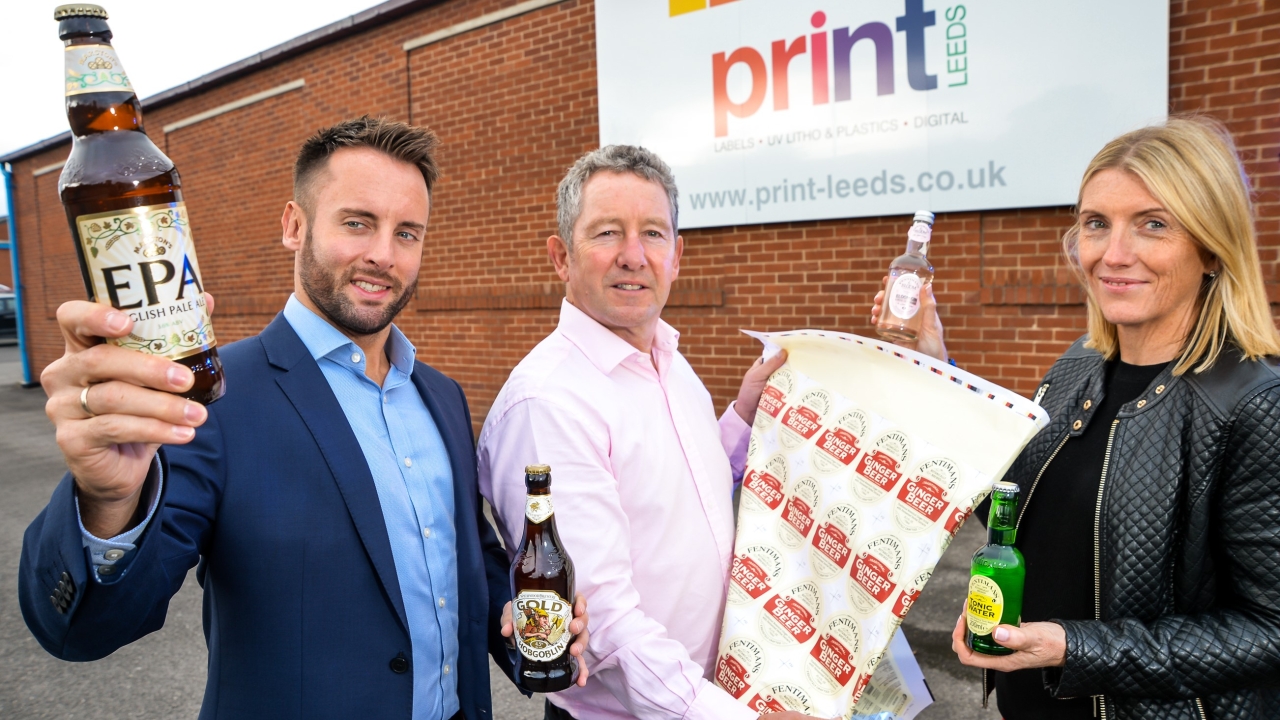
(996, 575)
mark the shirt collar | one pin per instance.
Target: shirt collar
(322, 338)
(605, 349)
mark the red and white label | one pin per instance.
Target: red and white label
(794, 617)
(772, 400)
(764, 486)
(765, 705)
(924, 496)
(748, 575)
(732, 676)
(905, 600)
(832, 543)
(799, 515)
(805, 422)
(872, 575)
(880, 469)
(839, 444)
(834, 657)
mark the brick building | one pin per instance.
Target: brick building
(511, 89)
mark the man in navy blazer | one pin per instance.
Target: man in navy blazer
(329, 498)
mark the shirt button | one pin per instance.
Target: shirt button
(426, 532)
(384, 398)
(408, 462)
(446, 669)
(355, 357)
(441, 602)
(113, 555)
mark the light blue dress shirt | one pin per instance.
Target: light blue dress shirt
(411, 471)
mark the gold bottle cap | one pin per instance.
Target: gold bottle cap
(537, 469)
(62, 12)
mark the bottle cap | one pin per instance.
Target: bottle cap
(537, 469)
(62, 12)
(923, 216)
(1006, 488)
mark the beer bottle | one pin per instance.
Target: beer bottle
(909, 274)
(123, 199)
(996, 575)
(542, 588)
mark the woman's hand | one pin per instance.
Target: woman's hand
(1038, 644)
(929, 341)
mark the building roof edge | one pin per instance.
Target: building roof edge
(361, 21)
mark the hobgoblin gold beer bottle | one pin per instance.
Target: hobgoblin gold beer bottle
(909, 274)
(123, 199)
(542, 588)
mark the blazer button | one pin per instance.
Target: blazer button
(400, 664)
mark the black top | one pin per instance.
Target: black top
(1056, 540)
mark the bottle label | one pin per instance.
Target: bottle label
(95, 68)
(904, 298)
(142, 261)
(542, 624)
(920, 232)
(537, 508)
(985, 606)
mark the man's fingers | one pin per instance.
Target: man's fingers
(82, 438)
(121, 398)
(771, 364)
(208, 301)
(102, 363)
(83, 323)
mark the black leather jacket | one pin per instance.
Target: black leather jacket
(1186, 541)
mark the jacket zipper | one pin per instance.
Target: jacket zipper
(1200, 708)
(1101, 700)
(1040, 393)
(1039, 475)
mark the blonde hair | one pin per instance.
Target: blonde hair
(1190, 165)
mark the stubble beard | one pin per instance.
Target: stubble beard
(325, 290)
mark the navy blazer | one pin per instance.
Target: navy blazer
(302, 609)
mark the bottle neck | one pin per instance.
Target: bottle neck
(1002, 522)
(100, 98)
(917, 248)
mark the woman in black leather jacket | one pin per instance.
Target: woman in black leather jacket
(1151, 503)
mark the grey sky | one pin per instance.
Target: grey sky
(162, 43)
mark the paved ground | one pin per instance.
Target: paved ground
(162, 675)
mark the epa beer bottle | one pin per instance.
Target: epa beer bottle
(909, 274)
(996, 575)
(123, 199)
(542, 588)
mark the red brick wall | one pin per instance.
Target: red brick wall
(515, 104)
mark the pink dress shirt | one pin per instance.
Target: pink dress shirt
(641, 484)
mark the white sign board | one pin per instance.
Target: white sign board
(781, 110)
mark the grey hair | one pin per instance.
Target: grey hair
(611, 158)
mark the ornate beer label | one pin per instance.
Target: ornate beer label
(764, 488)
(797, 513)
(904, 296)
(881, 466)
(788, 618)
(804, 419)
(142, 261)
(537, 508)
(753, 574)
(837, 446)
(94, 68)
(774, 398)
(830, 550)
(923, 499)
(873, 573)
(831, 663)
(542, 624)
(741, 662)
(985, 606)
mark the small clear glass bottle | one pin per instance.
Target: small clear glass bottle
(909, 274)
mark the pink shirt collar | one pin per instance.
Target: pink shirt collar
(605, 349)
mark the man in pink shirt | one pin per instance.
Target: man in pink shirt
(642, 471)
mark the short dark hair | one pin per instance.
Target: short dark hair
(401, 141)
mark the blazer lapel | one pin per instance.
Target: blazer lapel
(308, 389)
(457, 440)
